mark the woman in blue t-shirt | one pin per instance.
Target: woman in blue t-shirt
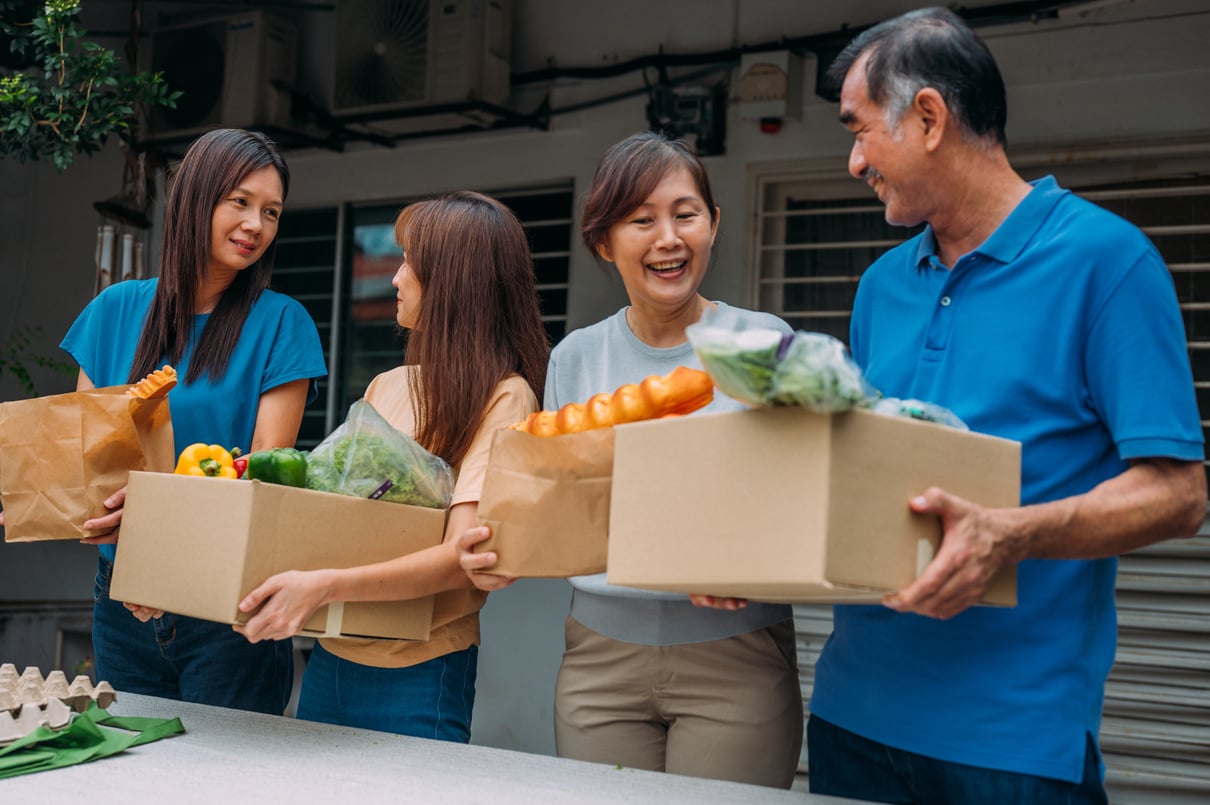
(246, 357)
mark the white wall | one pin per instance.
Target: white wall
(1130, 72)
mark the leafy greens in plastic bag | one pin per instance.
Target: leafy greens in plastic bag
(815, 371)
(764, 367)
(368, 457)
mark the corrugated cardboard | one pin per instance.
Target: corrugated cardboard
(197, 546)
(784, 505)
(547, 502)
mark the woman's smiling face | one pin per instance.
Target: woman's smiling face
(245, 220)
(662, 248)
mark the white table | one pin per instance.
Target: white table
(230, 756)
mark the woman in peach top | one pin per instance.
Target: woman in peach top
(476, 361)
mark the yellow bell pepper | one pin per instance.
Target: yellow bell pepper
(206, 460)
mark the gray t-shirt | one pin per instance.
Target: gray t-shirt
(600, 358)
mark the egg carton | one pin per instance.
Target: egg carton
(28, 700)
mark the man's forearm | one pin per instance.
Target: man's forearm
(1155, 499)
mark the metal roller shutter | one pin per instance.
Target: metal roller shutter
(1156, 728)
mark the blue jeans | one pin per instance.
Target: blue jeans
(843, 764)
(433, 699)
(185, 658)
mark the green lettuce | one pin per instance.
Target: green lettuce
(367, 457)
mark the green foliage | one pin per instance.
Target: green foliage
(75, 96)
(17, 357)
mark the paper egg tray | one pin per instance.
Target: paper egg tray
(28, 700)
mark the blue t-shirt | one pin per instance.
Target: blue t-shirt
(1058, 332)
(279, 344)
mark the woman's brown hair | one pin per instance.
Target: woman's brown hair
(478, 321)
(212, 167)
(628, 173)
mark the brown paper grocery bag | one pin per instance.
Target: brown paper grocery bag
(62, 456)
(547, 502)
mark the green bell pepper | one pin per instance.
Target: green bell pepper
(281, 465)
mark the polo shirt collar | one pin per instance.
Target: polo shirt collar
(1011, 237)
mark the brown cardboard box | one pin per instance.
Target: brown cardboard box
(196, 546)
(785, 505)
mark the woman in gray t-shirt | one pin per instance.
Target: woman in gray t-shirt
(648, 680)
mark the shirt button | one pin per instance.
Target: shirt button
(945, 301)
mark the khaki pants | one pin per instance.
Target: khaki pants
(725, 709)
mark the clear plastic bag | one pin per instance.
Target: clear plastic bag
(918, 409)
(816, 372)
(764, 367)
(368, 457)
(740, 359)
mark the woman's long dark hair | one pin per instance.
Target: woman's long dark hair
(478, 321)
(213, 166)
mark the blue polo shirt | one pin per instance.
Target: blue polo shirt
(278, 344)
(1061, 331)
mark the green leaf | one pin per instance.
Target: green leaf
(81, 88)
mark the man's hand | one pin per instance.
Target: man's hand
(976, 542)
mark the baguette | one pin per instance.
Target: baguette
(156, 384)
(681, 391)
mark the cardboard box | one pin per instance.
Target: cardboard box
(784, 505)
(197, 546)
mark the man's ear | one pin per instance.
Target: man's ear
(933, 114)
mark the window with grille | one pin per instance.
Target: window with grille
(305, 268)
(339, 263)
(817, 235)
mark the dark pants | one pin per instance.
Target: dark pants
(843, 764)
(188, 659)
(432, 699)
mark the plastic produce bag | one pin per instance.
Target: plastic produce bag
(814, 370)
(918, 409)
(764, 367)
(368, 457)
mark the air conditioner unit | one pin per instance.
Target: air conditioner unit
(397, 55)
(235, 72)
